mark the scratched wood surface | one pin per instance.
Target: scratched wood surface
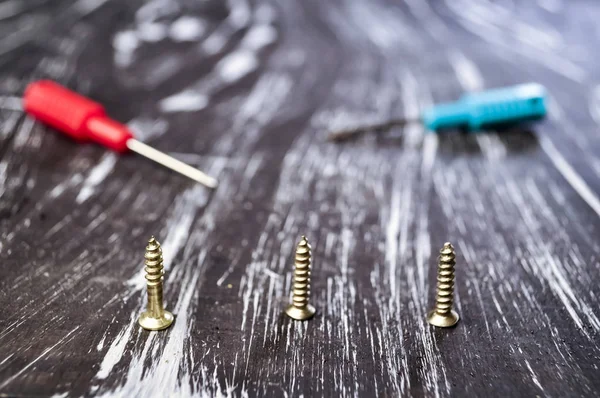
(247, 92)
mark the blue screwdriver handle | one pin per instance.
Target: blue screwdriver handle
(524, 102)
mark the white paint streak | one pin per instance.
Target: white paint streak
(259, 36)
(239, 13)
(151, 32)
(146, 129)
(169, 365)
(187, 28)
(116, 350)
(11, 103)
(236, 65)
(185, 101)
(125, 43)
(534, 377)
(87, 6)
(470, 79)
(430, 145)
(466, 71)
(413, 132)
(10, 8)
(569, 173)
(42, 355)
(96, 175)
(492, 24)
(594, 104)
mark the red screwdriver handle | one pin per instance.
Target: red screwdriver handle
(74, 115)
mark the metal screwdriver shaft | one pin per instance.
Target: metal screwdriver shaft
(170, 162)
(343, 135)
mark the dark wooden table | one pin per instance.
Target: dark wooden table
(247, 92)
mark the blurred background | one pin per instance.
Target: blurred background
(248, 91)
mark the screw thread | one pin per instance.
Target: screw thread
(301, 284)
(445, 280)
(153, 260)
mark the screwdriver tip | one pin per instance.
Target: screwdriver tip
(199, 176)
(171, 163)
(211, 184)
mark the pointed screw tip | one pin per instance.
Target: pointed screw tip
(212, 184)
(303, 241)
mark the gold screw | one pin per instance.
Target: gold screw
(155, 317)
(300, 309)
(443, 315)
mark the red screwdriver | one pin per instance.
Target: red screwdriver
(86, 120)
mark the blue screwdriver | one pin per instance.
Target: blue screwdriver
(473, 112)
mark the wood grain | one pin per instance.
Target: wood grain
(247, 91)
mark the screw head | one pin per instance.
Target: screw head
(443, 321)
(151, 322)
(300, 314)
